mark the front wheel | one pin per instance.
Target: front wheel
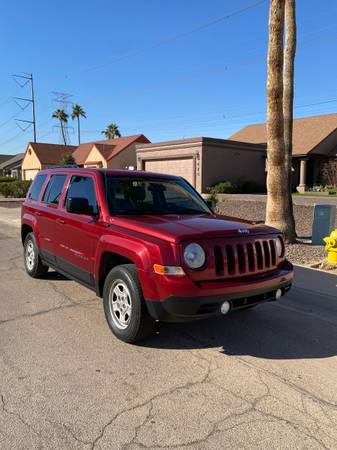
(33, 264)
(124, 305)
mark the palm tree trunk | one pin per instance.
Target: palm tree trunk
(278, 198)
(288, 95)
(63, 134)
(78, 130)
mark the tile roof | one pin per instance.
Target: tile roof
(308, 132)
(13, 159)
(108, 148)
(50, 153)
(4, 158)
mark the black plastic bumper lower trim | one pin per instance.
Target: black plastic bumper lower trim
(182, 309)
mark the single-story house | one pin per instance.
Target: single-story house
(39, 156)
(3, 158)
(205, 161)
(12, 166)
(314, 143)
(113, 153)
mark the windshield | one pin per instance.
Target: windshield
(135, 195)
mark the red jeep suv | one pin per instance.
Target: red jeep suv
(150, 246)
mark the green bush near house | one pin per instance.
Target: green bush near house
(224, 187)
(244, 187)
(15, 189)
(7, 179)
(251, 187)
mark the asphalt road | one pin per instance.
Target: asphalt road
(259, 379)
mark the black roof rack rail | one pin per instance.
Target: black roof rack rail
(65, 166)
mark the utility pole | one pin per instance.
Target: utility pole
(62, 98)
(24, 102)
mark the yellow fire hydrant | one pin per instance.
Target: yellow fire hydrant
(331, 247)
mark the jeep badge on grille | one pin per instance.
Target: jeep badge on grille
(243, 231)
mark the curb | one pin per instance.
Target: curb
(315, 268)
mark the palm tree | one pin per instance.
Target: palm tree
(278, 208)
(76, 113)
(288, 98)
(63, 117)
(111, 131)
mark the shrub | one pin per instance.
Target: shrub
(251, 187)
(224, 187)
(16, 189)
(332, 190)
(329, 172)
(244, 187)
(7, 179)
(67, 159)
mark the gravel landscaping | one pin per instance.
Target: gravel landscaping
(299, 253)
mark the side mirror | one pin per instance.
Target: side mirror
(79, 205)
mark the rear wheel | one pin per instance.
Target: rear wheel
(124, 305)
(33, 263)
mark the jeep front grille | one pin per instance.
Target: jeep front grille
(245, 258)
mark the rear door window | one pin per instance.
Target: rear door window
(35, 190)
(54, 189)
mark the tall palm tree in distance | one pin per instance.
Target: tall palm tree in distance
(77, 113)
(112, 131)
(63, 117)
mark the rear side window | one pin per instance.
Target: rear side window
(83, 187)
(54, 189)
(36, 187)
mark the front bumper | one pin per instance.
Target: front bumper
(177, 308)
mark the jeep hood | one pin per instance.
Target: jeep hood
(177, 228)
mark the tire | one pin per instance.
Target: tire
(33, 263)
(124, 305)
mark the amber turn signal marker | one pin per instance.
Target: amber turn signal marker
(168, 270)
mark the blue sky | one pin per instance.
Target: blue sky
(152, 66)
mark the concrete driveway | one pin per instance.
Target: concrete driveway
(259, 379)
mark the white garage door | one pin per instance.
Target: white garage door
(182, 167)
(29, 174)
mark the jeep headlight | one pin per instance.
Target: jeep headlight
(194, 256)
(279, 246)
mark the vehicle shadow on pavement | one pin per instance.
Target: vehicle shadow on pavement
(52, 275)
(268, 331)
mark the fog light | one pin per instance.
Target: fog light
(225, 307)
(278, 294)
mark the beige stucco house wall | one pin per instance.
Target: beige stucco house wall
(180, 158)
(95, 159)
(124, 159)
(30, 164)
(205, 161)
(224, 160)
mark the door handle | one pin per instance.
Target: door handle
(38, 213)
(62, 221)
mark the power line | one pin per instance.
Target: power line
(175, 37)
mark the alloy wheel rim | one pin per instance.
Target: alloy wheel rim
(120, 304)
(30, 255)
